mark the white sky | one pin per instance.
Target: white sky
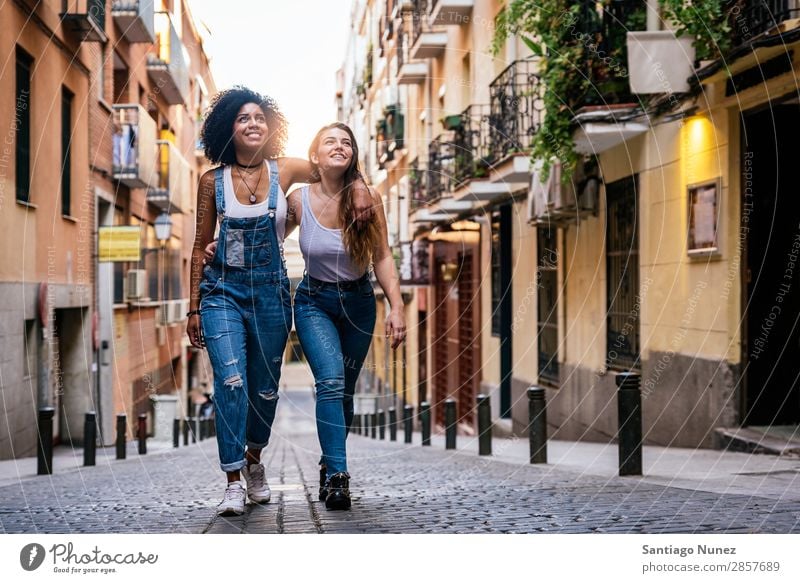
(287, 49)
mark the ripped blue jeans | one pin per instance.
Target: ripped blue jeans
(246, 319)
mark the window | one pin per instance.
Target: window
(622, 269)
(66, 153)
(22, 124)
(547, 300)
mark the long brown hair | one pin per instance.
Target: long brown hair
(360, 242)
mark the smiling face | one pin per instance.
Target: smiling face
(250, 130)
(334, 153)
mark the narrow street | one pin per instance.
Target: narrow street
(397, 488)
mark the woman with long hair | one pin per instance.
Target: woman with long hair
(334, 305)
(240, 304)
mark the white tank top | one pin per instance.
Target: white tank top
(237, 210)
(322, 248)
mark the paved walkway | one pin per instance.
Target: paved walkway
(407, 488)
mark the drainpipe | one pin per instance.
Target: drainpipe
(653, 16)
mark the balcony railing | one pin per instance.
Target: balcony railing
(417, 182)
(419, 19)
(603, 27)
(134, 156)
(472, 145)
(171, 192)
(85, 18)
(441, 166)
(135, 19)
(390, 133)
(517, 109)
(166, 64)
(750, 18)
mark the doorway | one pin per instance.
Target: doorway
(771, 270)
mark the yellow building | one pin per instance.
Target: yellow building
(671, 253)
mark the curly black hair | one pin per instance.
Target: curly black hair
(217, 127)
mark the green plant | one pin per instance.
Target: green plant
(706, 20)
(545, 27)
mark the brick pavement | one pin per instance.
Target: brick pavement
(397, 488)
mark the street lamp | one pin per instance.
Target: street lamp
(163, 225)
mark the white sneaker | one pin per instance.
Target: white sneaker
(257, 487)
(233, 502)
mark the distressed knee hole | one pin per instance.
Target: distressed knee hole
(234, 381)
(232, 362)
(269, 395)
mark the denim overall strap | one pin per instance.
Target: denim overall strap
(219, 190)
(274, 184)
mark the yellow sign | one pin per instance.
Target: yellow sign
(119, 244)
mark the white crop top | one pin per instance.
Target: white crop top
(235, 209)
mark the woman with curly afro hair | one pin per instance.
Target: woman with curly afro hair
(240, 304)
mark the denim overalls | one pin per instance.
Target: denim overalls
(246, 316)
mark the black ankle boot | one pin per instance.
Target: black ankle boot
(338, 492)
(323, 478)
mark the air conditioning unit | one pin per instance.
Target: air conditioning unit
(163, 314)
(553, 201)
(179, 309)
(136, 284)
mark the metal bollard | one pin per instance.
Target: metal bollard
(142, 433)
(629, 409)
(450, 424)
(484, 425)
(408, 420)
(44, 447)
(122, 428)
(374, 425)
(425, 419)
(176, 432)
(392, 424)
(185, 431)
(382, 423)
(90, 439)
(537, 425)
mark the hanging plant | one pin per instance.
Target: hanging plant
(578, 65)
(708, 21)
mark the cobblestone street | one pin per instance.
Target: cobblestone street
(397, 488)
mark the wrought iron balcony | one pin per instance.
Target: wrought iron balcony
(426, 43)
(85, 18)
(172, 190)
(441, 165)
(601, 29)
(390, 132)
(134, 156)
(517, 109)
(408, 72)
(471, 144)
(417, 183)
(135, 19)
(166, 65)
(750, 18)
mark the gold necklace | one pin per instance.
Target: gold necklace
(253, 198)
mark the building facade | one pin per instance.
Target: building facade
(105, 98)
(670, 252)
